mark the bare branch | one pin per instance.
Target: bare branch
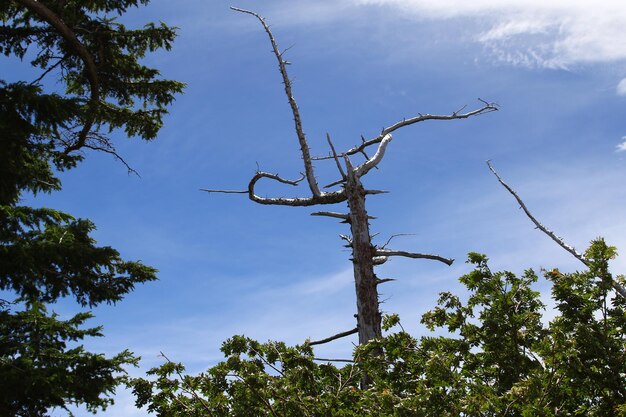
(379, 260)
(387, 252)
(487, 108)
(324, 198)
(304, 146)
(621, 290)
(225, 191)
(334, 360)
(332, 148)
(336, 215)
(333, 337)
(331, 214)
(383, 280)
(374, 160)
(51, 68)
(376, 192)
(332, 184)
(540, 226)
(117, 156)
(258, 176)
(394, 236)
(347, 239)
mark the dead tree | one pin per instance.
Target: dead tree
(350, 189)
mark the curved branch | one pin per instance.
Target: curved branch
(79, 50)
(374, 160)
(323, 198)
(621, 290)
(304, 146)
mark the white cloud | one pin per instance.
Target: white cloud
(622, 146)
(621, 88)
(554, 34)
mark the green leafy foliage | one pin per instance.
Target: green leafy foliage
(47, 255)
(492, 356)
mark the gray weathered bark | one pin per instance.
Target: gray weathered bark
(363, 252)
(365, 255)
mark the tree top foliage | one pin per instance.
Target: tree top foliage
(91, 81)
(493, 354)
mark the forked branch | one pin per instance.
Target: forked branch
(372, 162)
(304, 146)
(621, 290)
(486, 108)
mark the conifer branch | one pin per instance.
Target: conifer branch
(43, 12)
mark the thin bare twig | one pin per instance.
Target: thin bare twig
(332, 148)
(621, 290)
(394, 236)
(225, 191)
(47, 71)
(332, 184)
(117, 156)
(333, 337)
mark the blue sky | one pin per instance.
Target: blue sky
(229, 266)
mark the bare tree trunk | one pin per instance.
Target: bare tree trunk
(368, 315)
(364, 254)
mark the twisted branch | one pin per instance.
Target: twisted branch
(325, 198)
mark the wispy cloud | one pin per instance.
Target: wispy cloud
(622, 146)
(552, 34)
(621, 88)
(533, 33)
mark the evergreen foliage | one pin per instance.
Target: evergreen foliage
(491, 355)
(47, 255)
